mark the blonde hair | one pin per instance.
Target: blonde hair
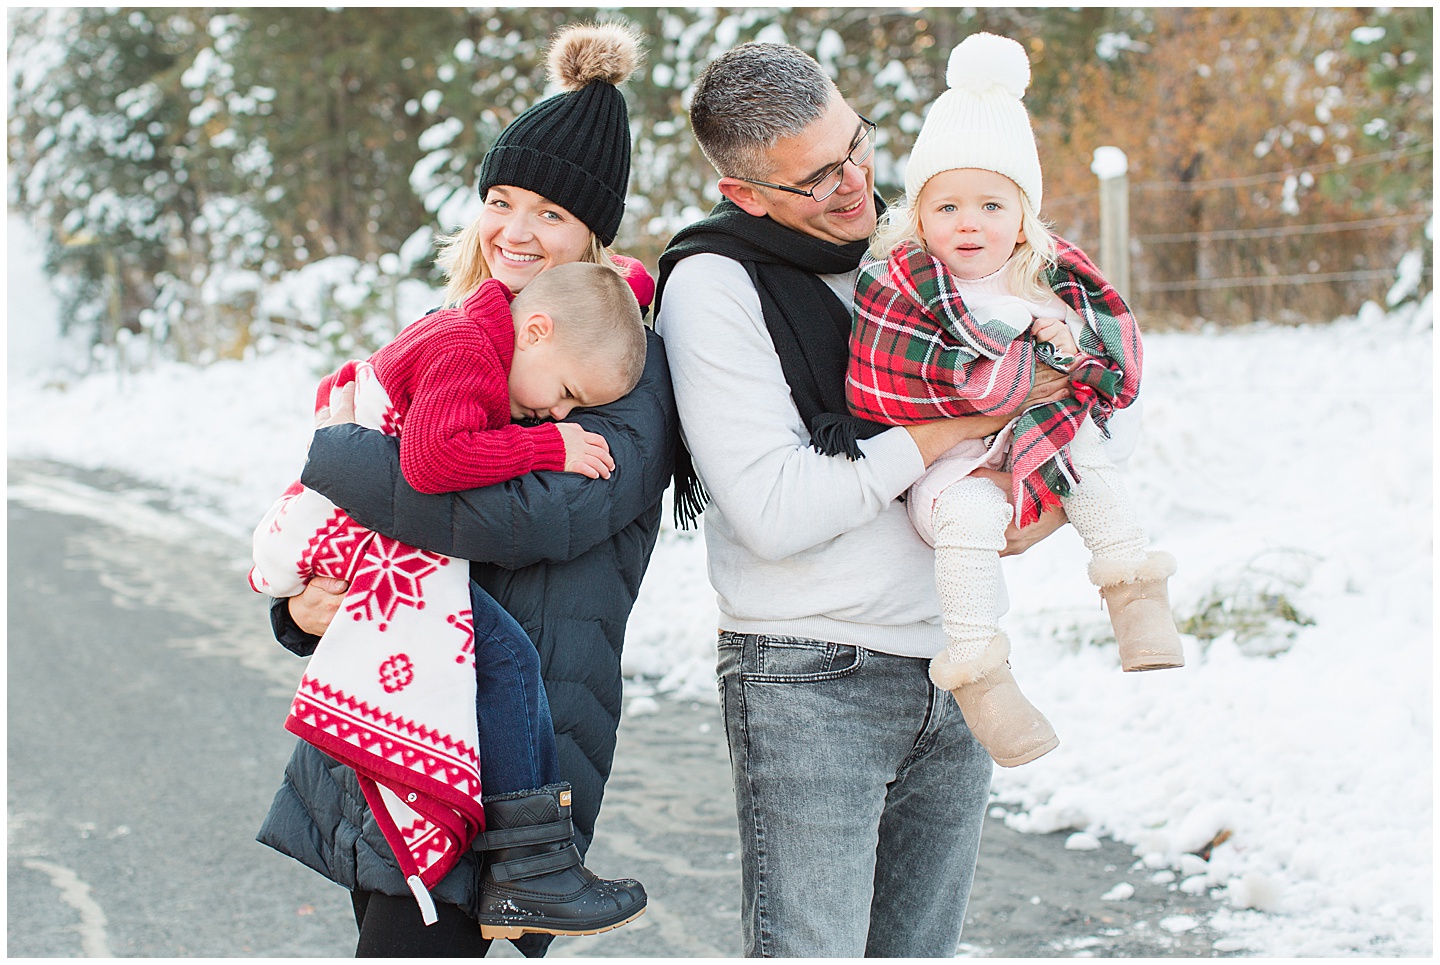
(1026, 271)
(460, 258)
(596, 316)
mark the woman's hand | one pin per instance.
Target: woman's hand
(317, 604)
(1019, 540)
(341, 408)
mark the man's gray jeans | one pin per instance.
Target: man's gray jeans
(861, 795)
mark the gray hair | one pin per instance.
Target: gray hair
(752, 96)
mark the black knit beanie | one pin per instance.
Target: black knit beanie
(574, 148)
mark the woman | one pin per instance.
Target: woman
(564, 556)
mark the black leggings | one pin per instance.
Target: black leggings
(391, 927)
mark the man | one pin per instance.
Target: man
(859, 789)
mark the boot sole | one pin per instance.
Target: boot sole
(1154, 663)
(515, 931)
(1030, 755)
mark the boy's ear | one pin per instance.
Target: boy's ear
(746, 195)
(533, 329)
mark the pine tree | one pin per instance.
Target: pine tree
(186, 161)
(103, 153)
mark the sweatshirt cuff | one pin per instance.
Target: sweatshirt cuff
(894, 458)
(548, 447)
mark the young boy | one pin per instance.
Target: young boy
(392, 689)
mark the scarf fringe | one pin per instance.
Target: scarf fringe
(833, 434)
(1053, 484)
(690, 495)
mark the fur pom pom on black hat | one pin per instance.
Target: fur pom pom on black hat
(574, 148)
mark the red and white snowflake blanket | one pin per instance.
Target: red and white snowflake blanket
(390, 691)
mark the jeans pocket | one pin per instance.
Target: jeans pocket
(795, 660)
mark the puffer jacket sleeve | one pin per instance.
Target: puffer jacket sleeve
(539, 517)
(288, 632)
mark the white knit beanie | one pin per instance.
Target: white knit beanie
(979, 122)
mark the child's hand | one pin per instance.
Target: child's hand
(1057, 333)
(585, 452)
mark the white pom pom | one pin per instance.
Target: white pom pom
(982, 61)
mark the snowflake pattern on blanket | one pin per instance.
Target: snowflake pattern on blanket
(390, 690)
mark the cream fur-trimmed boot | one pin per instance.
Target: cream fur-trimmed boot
(1139, 606)
(1006, 724)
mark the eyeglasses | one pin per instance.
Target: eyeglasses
(829, 182)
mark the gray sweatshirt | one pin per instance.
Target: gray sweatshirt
(800, 544)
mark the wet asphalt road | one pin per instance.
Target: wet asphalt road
(145, 705)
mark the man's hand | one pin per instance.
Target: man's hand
(317, 604)
(585, 452)
(1019, 540)
(341, 408)
(934, 439)
(1046, 386)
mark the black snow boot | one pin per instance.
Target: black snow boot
(533, 879)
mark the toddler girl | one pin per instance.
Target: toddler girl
(972, 292)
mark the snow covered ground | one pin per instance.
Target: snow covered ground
(1288, 469)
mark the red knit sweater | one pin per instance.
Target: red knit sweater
(447, 376)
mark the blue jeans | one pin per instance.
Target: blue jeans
(861, 794)
(517, 737)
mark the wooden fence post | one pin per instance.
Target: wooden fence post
(1110, 165)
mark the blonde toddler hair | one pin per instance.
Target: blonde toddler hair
(1026, 271)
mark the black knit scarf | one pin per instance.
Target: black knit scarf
(808, 324)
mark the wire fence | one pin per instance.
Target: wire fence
(1284, 231)
(1273, 176)
(1215, 250)
(1258, 280)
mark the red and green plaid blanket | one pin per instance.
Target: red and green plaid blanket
(917, 353)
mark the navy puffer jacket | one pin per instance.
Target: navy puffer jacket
(564, 555)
